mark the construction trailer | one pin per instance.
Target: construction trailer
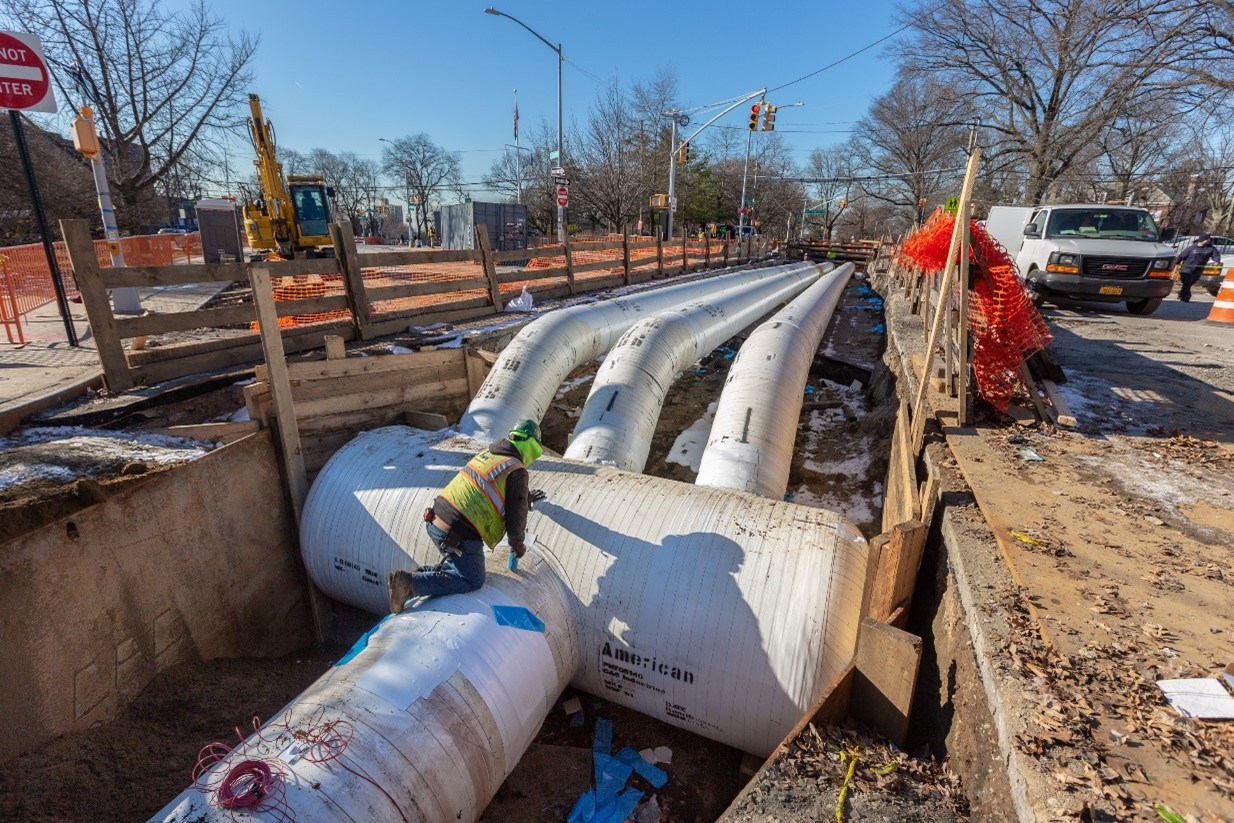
(506, 223)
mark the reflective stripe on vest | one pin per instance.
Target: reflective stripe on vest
(478, 492)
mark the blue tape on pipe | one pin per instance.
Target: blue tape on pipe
(519, 617)
(361, 643)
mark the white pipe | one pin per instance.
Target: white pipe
(620, 415)
(529, 370)
(657, 595)
(750, 447)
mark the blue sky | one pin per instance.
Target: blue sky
(340, 76)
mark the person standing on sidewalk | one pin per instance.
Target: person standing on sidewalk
(486, 500)
(1191, 262)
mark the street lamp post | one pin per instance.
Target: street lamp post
(561, 210)
(407, 183)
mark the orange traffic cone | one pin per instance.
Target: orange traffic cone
(1223, 307)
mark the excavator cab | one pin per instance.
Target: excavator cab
(311, 203)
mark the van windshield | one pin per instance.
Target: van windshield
(1112, 224)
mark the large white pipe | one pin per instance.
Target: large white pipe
(750, 447)
(529, 370)
(620, 415)
(721, 613)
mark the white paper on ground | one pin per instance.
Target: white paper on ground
(1199, 697)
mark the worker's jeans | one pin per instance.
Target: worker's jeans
(455, 574)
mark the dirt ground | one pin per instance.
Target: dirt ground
(845, 420)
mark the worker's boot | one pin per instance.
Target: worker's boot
(400, 588)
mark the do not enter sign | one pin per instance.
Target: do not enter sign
(25, 83)
(563, 195)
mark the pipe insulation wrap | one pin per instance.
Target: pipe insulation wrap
(721, 613)
(530, 369)
(619, 418)
(750, 447)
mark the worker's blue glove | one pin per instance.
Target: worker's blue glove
(535, 496)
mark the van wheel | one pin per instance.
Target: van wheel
(1146, 306)
(1036, 293)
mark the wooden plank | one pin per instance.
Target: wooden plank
(400, 322)
(226, 432)
(963, 390)
(901, 486)
(182, 274)
(417, 257)
(899, 561)
(1064, 416)
(94, 298)
(375, 383)
(383, 364)
(887, 663)
(1021, 415)
(336, 348)
(513, 255)
(259, 402)
(349, 421)
(659, 256)
(289, 435)
(596, 265)
(400, 395)
(526, 275)
(477, 365)
(1031, 386)
(429, 421)
(929, 499)
(397, 291)
(490, 268)
(353, 282)
(184, 320)
(625, 255)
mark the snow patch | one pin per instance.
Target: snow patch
(688, 448)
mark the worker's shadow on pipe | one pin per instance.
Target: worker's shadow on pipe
(672, 616)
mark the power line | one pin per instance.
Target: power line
(842, 59)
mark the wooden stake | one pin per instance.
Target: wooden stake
(964, 410)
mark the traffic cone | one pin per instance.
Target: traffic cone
(1223, 307)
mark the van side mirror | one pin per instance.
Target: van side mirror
(1031, 230)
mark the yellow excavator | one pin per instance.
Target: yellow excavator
(291, 217)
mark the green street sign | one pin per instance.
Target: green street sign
(816, 211)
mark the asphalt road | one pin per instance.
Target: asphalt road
(1172, 369)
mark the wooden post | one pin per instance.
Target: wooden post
(490, 267)
(625, 254)
(659, 256)
(568, 253)
(706, 252)
(970, 175)
(725, 252)
(685, 252)
(888, 661)
(97, 304)
(964, 414)
(285, 415)
(336, 349)
(353, 279)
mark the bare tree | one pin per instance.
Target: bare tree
(833, 171)
(427, 169)
(65, 184)
(1208, 56)
(611, 153)
(160, 82)
(1050, 76)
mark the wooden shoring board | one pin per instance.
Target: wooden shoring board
(900, 503)
(888, 660)
(899, 560)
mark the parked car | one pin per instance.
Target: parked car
(173, 231)
(1210, 281)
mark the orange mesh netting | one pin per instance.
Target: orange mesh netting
(1006, 327)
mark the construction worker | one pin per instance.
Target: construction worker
(1191, 262)
(487, 499)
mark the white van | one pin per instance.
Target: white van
(1084, 251)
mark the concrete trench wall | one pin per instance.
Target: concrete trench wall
(197, 562)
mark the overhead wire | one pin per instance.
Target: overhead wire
(841, 60)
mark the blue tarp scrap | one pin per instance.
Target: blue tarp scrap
(878, 328)
(519, 617)
(610, 801)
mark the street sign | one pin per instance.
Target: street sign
(557, 171)
(563, 195)
(558, 180)
(816, 211)
(25, 82)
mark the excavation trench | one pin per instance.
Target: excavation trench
(839, 464)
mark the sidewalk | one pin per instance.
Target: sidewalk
(47, 371)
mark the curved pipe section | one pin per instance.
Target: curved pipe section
(620, 415)
(750, 447)
(529, 370)
(686, 612)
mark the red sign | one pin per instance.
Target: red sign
(25, 83)
(563, 195)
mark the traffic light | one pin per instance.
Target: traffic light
(769, 117)
(754, 117)
(683, 154)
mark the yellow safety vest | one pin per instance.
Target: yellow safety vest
(478, 491)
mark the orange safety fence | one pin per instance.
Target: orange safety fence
(30, 276)
(10, 318)
(1006, 327)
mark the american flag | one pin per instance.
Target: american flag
(516, 119)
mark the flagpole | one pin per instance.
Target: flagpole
(518, 155)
